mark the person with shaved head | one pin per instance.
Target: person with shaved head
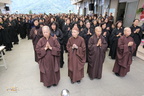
(97, 47)
(76, 56)
(125, 49)
(48, 52)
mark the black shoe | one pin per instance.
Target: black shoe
(54, 84)
(117, 74)
(48, 86)
(15, 43)
(8, 49)
(79, 82)
(72, 82)
(61, 66)
(91, 78)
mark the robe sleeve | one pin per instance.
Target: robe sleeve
(41, 52)
(69, 48)
(91, 50)
(122, 47)
(81, 53)
(56, 53)
(56, 48)
(32, 35)
(104, 45)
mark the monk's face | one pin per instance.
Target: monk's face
(46, 32)
(75, 33)
(127, 32)
(98, 31)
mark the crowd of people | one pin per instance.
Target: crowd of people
(84, 38)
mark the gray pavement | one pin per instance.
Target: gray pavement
(23, 75)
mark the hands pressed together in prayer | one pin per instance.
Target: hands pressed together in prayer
(108, 28)
(99, 43)
(48, 46)
(1, 27)
(89, 33)
(74, 46)
(137, 30)
(35, 32)
(104, 34)
(119, 34)
(68, 28)
(55, 36)
(130, 43)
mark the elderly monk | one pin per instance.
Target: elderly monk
(126, 48)
(76, 56)
(48, 52)
(97, 47)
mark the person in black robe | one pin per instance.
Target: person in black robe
(66, 30)
(94, 24)
(81, 27)
(6, 35)
(111, 19)
(1, 31)
(28, 27)
(22, 28)
(116, 34)
(136, 34)
(87, 33)
(35, 35)
(105, 32)
(12, 30)
(108, 24)
(57, 33)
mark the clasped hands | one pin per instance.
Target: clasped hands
(48, 46)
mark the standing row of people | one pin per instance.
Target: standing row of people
(84, 38)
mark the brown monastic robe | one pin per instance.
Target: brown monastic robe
(76, 58)
(124, 56)
(96, 56)
(49, 61)
(35, 38)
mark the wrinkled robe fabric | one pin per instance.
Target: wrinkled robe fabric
(124, 55)
(49, 61)
(76, 58)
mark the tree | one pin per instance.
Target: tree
(30, 12)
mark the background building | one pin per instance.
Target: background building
(124, 10)
(4, 6)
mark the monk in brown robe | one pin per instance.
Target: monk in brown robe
(48, 52)
(76, 56)
(97, 47)
(35, 35)
(125, 49)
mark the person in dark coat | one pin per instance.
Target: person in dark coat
(57, 33)
(136, 34)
